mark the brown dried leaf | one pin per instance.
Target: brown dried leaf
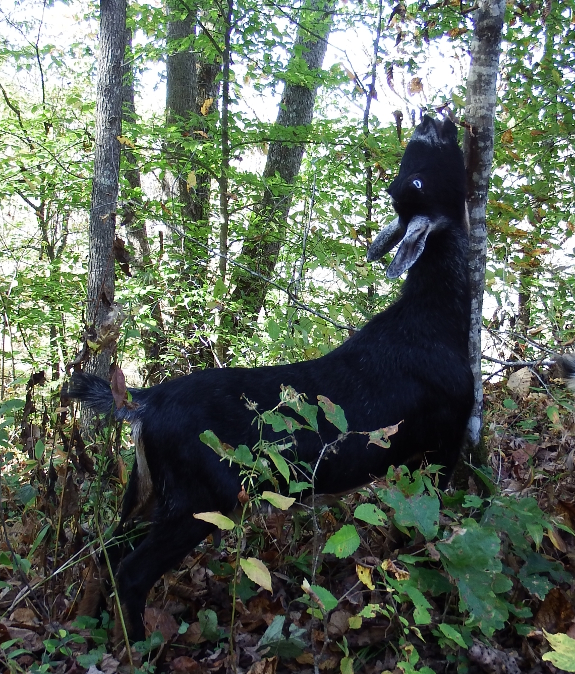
(185, 664)
(338, 624)
(156, 620)
(414, 86)
(25, 617)
(265, 666)
(555, 613)
(520, 381)
(109, 664)
(193, 634)
(27, 638)
(118, 385)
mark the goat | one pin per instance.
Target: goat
(409, 364)
(566, 365)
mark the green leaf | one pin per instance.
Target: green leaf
(257, 571)
(39, 538)
(276, 644)
(274, 330)
(307, 411)
(281, 422)
(221, 521)
(451, 633)
(471, 557)
(298, 487)
(563, 655)
(210, 439)
(11, 405)
(344, 542)
(333, 413)
(279, 462)
(328, 601)
(367, 512)
(39, 450)
(244, 456)
(421, 615)
(208, 624)
(346, 665)
(420, 511)
(277, 500)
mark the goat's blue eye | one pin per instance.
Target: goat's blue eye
(417, 183)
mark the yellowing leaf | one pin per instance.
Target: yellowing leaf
(206, 106)
(556, 539)
(191, 181)
(124, 140)
(389, 566)
(355, 622)
(221, 521)
(563, 655)
(257, 571)
(364, 574)
(346, 665)
(203, 134)
(277, 500)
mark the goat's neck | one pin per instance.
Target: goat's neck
(437, 286)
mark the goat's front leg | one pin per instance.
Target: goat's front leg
(167, 543)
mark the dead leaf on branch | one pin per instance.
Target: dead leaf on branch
(415, 86)
(520, 381)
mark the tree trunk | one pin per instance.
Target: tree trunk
(154, 341)
(106, 170)
(267, 229)
(478, 149)
(181, 95)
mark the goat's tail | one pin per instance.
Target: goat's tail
(566, 365)
(96, 394)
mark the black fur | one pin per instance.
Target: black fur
(408, 364)
(566, 364)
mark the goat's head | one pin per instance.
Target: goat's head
(428, 194)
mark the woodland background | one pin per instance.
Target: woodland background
(255, 144)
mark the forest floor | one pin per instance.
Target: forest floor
(376, 624)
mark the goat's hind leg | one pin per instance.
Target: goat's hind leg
(167, 543)
(98, 585)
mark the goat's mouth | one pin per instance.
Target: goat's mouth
(411, 239)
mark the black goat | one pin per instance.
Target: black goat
(566, 364)
(408, 364)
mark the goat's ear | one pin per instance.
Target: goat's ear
(449, 131)
(411, 246)
(389, 237)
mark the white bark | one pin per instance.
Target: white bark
(479, 141)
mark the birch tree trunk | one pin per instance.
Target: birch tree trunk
(267, 229)
(106, 169)
(478, 149)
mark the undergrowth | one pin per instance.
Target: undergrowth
(396, 576)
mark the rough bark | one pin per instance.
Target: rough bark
(154, 341)
(132, 216)
(181, 98)
(268, 226)
(106, 171)
(478, 149)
